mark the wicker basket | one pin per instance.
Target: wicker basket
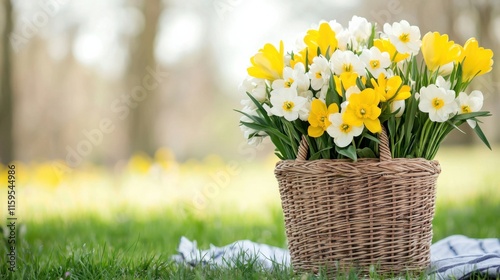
(341, 214)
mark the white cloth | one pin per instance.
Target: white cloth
(459, 257)
(240, 251)
(455, 257)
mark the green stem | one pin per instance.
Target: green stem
(422, 143)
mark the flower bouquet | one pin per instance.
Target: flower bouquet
(352, 82)
(357, 117)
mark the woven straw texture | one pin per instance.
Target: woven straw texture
(341, 214)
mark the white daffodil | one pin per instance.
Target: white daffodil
(342, 132)
(398, 105)
(319, 73)
(343, 35)
(442, 83)
(293, 78)
(446, 69)
(438, 102)
(267, 109)
(405, 37)
(287, 103)
(343, 105)
(375, 61)
(253, 137)
(255, 87)
(307, 94)
(470, 103)
(304, 111)
(346, 61)
(248, 103)
(360, 30)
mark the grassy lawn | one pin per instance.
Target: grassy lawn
(94, 223)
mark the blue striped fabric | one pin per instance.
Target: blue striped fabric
(459, 257)
(455, 257)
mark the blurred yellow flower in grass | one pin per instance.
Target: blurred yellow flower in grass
(268, 63)
(319, 117)
(45, 174)
(140, 163)
(165, 158)
(363, 109)
(477, 60)
(391, 89)
(323, 38)
(384, 45)
(438, 50)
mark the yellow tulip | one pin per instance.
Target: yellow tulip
(438, 50)
(384, 45)
(268, 63)
(477, 60)
(319, 117)
(324, 38)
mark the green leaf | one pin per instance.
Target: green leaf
(332, 95)
(281, 157)
(349, 152)
(371, 137)
(268, 130)
(372, 36)
(317, 155)
(455, 126)
(254, 118)
(261, 109)
(471, 115)
(481, 136)
(365, 153)
(360, 84)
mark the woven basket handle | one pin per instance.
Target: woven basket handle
(385, 151)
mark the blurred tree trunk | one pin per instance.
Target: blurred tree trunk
(143, 113)
(6, 114)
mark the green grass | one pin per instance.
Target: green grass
(127, 246)
(101, 225)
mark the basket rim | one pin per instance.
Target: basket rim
(360, 160)
(367, 166)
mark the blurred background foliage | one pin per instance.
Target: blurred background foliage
(68, 66)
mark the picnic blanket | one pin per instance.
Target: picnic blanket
(455, 257)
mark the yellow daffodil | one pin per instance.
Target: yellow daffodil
(384, 45)
(323, 38)
(346, 80)
(299, 57)
(478, 60)
(268, 63)
(391, 89)
(363, 109)
(438, 50)
(319, 117)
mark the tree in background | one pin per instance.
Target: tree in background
(142, 117)
(6, 113)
